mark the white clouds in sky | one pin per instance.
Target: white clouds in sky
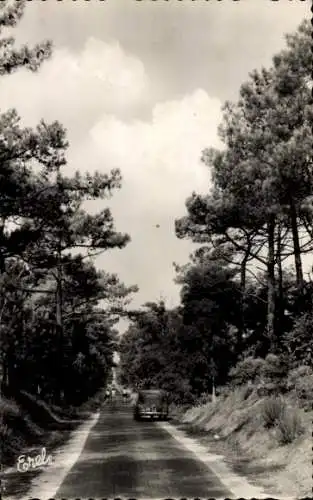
(160, 158)
(77, 88)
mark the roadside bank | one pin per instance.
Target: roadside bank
(276, 455)
(32, 433)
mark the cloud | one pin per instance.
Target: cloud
(160, 159)
(183, 45)
(78, 88)
(160, 163)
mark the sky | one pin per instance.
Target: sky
(139, 85)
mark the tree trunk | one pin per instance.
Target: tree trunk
(2, 264)
(271, 283)
(280, 302)
(4, 381)
(3, 369)
(12, 372)
(8, 374)
(296, 243)
(242, 328)
(2, 259)
(59, 332)
(213, 390)
(3, 363)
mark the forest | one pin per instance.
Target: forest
(245, 312)
(58, 312)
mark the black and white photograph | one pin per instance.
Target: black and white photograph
(156, 249)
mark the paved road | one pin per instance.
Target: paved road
(125, 458)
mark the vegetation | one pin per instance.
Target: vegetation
(246, 313)
(57, 311)
(274, 410)
(246, 303)
(289, 427)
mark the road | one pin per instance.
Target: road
(125, 458)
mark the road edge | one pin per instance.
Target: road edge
(238, 485)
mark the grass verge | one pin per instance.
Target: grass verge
(277, 457)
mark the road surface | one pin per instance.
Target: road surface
(125, 458)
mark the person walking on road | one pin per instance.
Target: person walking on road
(125, 395)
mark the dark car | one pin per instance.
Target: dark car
(151, 404)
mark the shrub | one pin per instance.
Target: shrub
(274, 371)
(273, 409)
(179, 391)
(9, 407)
(300, 380)
(204, 398)
(289, 427)
(183, 398)
(223, 391)
(247, 391)
(298, 375)
(274, 367)
(4, 431)
(299, 340)
(246, 370)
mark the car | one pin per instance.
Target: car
(151, 404)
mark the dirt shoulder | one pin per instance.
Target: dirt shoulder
(233, 427)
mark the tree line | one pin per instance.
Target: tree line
(57, 311)
(244, 292)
